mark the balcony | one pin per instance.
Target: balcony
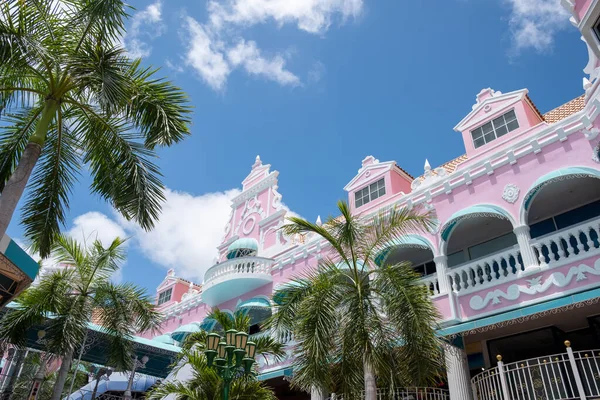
(569, 375)
(234, 277)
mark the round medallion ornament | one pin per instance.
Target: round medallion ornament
(511, 193)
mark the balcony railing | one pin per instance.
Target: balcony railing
(487, 271)
(411, 393)
(570, 375)
(568, 243)
(241, 267)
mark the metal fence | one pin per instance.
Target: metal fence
(411, 393)
(565, 376)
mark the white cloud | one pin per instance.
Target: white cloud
(248, 55)
(205, 56)
(217, 47)
(534, 23)
(145, 24)
(188, 232)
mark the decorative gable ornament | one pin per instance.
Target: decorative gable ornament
(510, 193)
(429, 176)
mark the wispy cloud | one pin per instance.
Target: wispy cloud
(217, 47)
(145, 25)
(535, 23)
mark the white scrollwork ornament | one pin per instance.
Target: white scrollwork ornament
(596, 154)
(511, 193)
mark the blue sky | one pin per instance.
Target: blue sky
(314, 86)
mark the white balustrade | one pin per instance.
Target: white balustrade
(237, 267)
(431, 283)
(568, 243)
(488, 271)
(565, 376)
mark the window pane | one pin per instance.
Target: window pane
(358, 202)
(510, 115)
(381, 184)
(487, 128)
(512, 125)
(476, 134)
(373, 187)
(489, 136)
(499, 122)
(501, 131)
(381, 191)
(479, 142)
(374, 195)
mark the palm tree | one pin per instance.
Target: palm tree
(205, 384)
(356, 322)
(64, 301)
(71, 97)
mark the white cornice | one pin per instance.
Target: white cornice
(510, 98)
(270, 180)
(272, 217)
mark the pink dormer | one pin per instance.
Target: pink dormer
(495, 119)
(375, 183)
(172, 289)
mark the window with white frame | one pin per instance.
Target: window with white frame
(165, 296)
(495, 128)
(369, 193)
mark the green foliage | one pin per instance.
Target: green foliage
(67, 84)
(351, 314)
(205, 384)
(65, 301)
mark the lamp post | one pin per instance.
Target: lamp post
(136, 364)
(229, 356)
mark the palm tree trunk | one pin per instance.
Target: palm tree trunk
(61, 379)
(12, 192)
(370, 383)
(16, 185)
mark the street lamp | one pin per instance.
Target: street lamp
(226, 356)
(136, 364)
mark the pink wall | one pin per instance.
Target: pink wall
(581, 7)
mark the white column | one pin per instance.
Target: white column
(457, 368)
(441, 268)
(527, 252)
(317, 394)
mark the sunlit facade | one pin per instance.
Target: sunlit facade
(513, 264)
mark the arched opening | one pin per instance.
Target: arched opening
(481, 246)
(258, 309)
(561, 210)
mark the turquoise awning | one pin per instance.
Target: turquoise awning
(479, 210)
(208, 324)
(180, 333)
(254, 303)
(560, 174)
(241, 244)
(412, 241)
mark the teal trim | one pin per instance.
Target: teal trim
(556, 175)
(485, 209)
(166, 339)
(22, 260)
(519, 313)
(289, 371)
(243, 243)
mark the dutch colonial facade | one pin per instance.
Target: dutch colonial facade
(513, 264)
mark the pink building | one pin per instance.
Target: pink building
(513, 264)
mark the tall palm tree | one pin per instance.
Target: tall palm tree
(205, 384)
(71, 97)
(64, 301)
(357, 321)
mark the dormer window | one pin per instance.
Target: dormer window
(494, 129)
(369, 193)
(165, 296)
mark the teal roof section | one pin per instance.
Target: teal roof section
(165, 339)
(180, 333)
(241, 244)
(21, 259)
(484, 210)
(289, 371)
(404, 241)
(555, 176)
